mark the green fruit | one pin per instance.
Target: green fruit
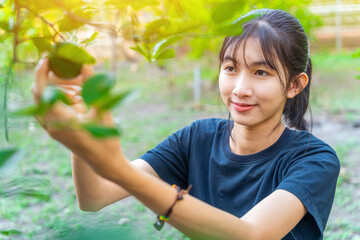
(67, 59)
(64, 68)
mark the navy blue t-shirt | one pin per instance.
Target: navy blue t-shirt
(297, 162)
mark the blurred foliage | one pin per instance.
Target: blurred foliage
(8, 159)
(31, 29)
(38, 24)
(357, 55)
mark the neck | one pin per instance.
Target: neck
(249, 140)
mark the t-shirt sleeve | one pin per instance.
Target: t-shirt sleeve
(312, 177)
(169, 158)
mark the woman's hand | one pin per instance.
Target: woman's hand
(105, 155)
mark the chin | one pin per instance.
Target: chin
(244, 121)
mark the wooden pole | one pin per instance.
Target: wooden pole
(338, 26)
(197, 87)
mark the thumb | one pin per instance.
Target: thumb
(87, 71)
(41, 79)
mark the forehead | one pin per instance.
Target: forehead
(247, 50)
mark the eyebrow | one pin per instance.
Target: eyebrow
(256, 63)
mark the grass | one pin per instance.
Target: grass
(162, 107)
(335, 86)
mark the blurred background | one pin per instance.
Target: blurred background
(37, 198)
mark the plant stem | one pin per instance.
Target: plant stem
(111, 29)
(9, 74)
(51, 25)
(7, 80)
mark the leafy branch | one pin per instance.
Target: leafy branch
(51, 25)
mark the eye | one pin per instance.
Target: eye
(230, 69)
(261, 73)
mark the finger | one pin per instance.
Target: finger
(87, 71)
(59, 112)
(105, 117)
(67, 91)
(76, 100)
(55, 80)
(41, 79)
(75, 88)
(80, 108)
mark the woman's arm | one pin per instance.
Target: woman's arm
(272, 218)
(94, 192)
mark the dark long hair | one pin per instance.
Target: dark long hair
(284, 44)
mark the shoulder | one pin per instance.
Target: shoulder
(311, 172)
(308, 153)
(305, 143)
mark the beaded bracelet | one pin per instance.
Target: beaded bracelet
(161, 219)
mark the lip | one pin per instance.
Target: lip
(240, 107)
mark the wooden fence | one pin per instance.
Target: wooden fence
(341, 23)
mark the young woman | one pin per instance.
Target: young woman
(257, 176)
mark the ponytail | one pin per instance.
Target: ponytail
(295, 108)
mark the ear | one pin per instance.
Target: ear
(298, 85)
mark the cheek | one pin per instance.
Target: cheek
(270, 92)
(224, 85)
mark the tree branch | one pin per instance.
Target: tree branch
(111, 29)
(51, 25)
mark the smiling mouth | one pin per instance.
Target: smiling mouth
(242, 107)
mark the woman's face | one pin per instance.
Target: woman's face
(252, 92)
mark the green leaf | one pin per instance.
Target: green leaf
(8, 159)
(10, 232)
(4, 25)
(113, 100)
(97, 87)
(168, 53)
(156, 27)
(52, 94)
(90, 40)
(38, 5)
(68, 23)
(231, 29)
(25, 111)
(226, 10)
(21, 186)
(73, 53)
(251, 15)
(139, 50)
(235, 28)
(358, 77)
(43, 196)
(49, 97)
(136, 5)
(42, 44)
(99, 131)
(162, 45)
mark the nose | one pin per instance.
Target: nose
(242, 88)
